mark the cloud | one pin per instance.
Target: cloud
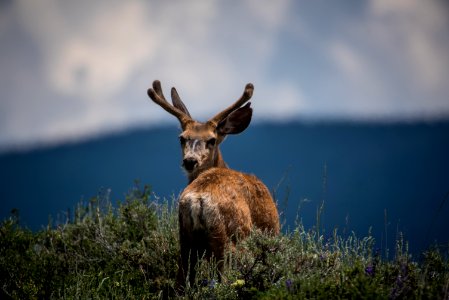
(94, 57)
(393, 61)
(75, 69)
(96, 61)
(417, 31)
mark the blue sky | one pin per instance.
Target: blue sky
(74, 69)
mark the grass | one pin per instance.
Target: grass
(130, 251)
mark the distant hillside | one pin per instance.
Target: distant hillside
(390, 176)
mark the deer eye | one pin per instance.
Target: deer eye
(211, 142)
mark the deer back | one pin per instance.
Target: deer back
(227, 203)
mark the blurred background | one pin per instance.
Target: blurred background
(351, 105)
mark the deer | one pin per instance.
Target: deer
(220, 205)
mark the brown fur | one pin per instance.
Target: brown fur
(220, 205)
(230, 205)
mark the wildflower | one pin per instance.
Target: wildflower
(238, 283)
(209, 283)
(212, 283)
(369, 270)
(37, 249)
(289, 284)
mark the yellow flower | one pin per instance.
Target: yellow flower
(238, 283)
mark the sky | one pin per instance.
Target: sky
(75, 69)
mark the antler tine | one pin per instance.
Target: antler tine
(247, 94)
(157, 96)
(177, 102)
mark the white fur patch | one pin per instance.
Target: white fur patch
(203, 211)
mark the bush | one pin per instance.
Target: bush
(131, 251)
(104, 252)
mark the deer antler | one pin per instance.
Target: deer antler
(177, 102)
(247, 94)
(158, 97)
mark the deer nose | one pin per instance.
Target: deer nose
(189, 163)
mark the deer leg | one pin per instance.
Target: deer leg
(218, 242)
(183, 265)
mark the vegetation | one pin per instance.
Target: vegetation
(130, 251)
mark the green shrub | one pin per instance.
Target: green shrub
(130, 251)
(103, 252)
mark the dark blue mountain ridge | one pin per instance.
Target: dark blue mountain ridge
(363, 172)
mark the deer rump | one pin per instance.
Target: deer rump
(221, 206)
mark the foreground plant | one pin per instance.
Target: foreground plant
(131, 250)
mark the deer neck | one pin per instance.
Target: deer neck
(217, 162)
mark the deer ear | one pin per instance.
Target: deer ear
(237, 121)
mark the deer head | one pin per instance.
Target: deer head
(200, 141)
